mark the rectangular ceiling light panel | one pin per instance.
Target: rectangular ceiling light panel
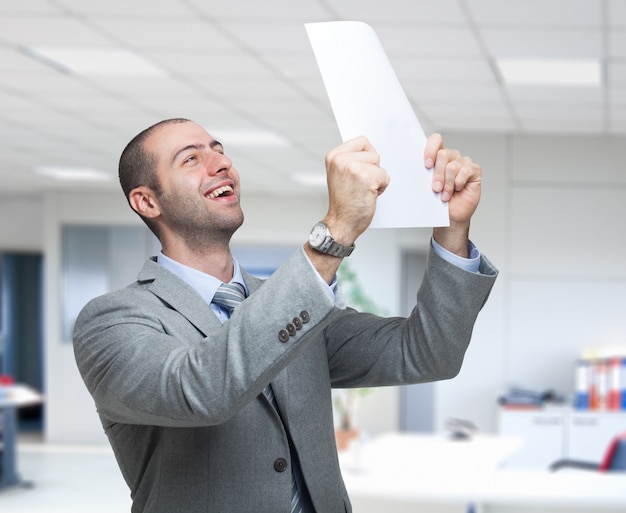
(550, 72)
(93, 61)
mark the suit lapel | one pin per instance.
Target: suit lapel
(182, 297)
(178, 295)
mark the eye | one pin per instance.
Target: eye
(190, 159)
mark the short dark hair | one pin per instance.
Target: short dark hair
(137, 165)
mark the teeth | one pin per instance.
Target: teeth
(218, 192)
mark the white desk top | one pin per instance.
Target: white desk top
(19, 395)
(437, 470)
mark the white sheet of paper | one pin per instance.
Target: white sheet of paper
(367, 99)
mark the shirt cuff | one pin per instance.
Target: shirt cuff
(471, 264)
(332, 288)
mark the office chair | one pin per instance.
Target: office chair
(614, 459)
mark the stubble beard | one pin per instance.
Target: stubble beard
(199, 228)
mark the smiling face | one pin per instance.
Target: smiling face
(198, 201)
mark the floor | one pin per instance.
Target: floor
(73, 479)
(65, 479)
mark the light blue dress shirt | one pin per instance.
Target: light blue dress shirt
(206, 285)
(471, 264)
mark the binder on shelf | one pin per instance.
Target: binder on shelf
(623, 383)
(602, 385)
(614, 378)
(600, 378)
(583, 385)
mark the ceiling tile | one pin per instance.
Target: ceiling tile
(264, 37)
(442, 70)
(124, 8)
(455, 93)
(553, 13)
(46, 82)
(561, 118)
(616, 13)
(399, 12)
(617, 43)
(255, 10)
(429, 41)
(486, 122)
(543, 43)
(618, 96)
(13, 61)
(617, 120)
(616, 72)
(186, 34)
(556, 95)
(223, 64)
(32, 7)
(50, 31)
(249, 65)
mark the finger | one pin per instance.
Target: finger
(360, 143)
(369, 176)
(468, 171)
(465, 172)
(445, 171)
(355, 145)
(434, 143)
(383, 182)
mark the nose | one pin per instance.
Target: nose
(219, 163)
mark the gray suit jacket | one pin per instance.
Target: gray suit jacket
(180, 395)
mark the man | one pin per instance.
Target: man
(212, 411)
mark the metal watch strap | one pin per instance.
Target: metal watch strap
(339, 250)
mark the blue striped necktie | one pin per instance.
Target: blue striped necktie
(228, 296)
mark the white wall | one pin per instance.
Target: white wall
(21, 227)
(70, 411)
(552, 218)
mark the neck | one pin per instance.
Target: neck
(216, 261)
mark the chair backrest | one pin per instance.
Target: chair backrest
(615, 456)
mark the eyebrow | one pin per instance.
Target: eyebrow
(212, 145)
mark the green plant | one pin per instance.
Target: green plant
(345, 400)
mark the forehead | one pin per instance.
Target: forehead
(165, 141)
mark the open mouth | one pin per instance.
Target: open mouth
(220, 192)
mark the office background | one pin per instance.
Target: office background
(552, 217)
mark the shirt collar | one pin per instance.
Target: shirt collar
(205, 284)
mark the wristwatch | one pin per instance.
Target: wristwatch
(321, 240)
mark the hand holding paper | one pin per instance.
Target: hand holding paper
(367, 99)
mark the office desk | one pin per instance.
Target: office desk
(12, 398)
(414, 473)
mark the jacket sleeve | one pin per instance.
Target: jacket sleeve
(367, 350)
(163, 358)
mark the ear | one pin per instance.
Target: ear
(143, 201)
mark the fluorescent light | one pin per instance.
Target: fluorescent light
(72, 174)
(554, 72)
(253, 138)
(93, 61)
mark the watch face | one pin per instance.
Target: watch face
(318, 234)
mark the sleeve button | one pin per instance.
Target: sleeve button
(297, 322)
(291, 329)
(283, 335)
(305, 316)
